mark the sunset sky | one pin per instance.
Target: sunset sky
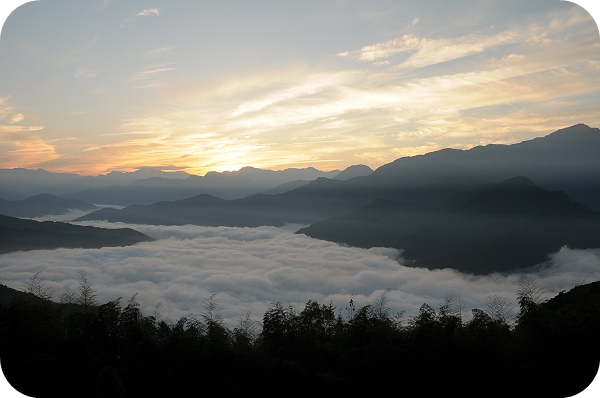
(100, 85)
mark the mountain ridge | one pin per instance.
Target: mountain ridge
(434, 178)
(563, 160)
(501, 227)
(147, 185)
(226, 185)
(41, 205)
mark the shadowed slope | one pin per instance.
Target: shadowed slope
(41, 205)
(17, 234)
(497, 227)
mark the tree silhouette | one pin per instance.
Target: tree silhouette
(68, 296)
(86, 296)
(36, 285)
(453, 304)
(529, 295)
(499, 310)
(380, 306)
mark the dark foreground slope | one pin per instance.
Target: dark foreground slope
(111, 350)
(17, 234)
(494, 228)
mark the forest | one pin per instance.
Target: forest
(78, 347)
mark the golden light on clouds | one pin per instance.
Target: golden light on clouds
(19, 144)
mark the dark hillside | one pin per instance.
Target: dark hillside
(17, 234)
(493, 228)
(558, 340)
(564, 160)
(41, 205)
(113, 350)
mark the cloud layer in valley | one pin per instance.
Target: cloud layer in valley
(251, 268)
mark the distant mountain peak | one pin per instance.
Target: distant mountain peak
(581, 131)
(575, 127)
(357, 170)
(518, 182)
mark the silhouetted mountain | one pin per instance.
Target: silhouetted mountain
(124, 178)
(348, 173)
(9, 194)
(23, 182)
(143, 191)
(148, 185)
(274, 178)
(226, 185)
(426, 179)
(41, 205)
(564, 160)
(17, 234)
(200, 210)
(497, 227)
(288, 186)
(302, 205)
(358, 170)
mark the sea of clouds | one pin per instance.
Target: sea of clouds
(249, 269)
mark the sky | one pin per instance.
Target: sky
(95, 86)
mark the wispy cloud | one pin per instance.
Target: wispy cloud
(85, 73)
(148, 11)
(158, 52)
(426, 51)
(91, 44)
(105, 4)
(7, 111)
(21, 147)
(20, 144)
(16, 118)
(390, 47)
(151, 77)
(313, 84)
(10, 116)
(144, 13)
